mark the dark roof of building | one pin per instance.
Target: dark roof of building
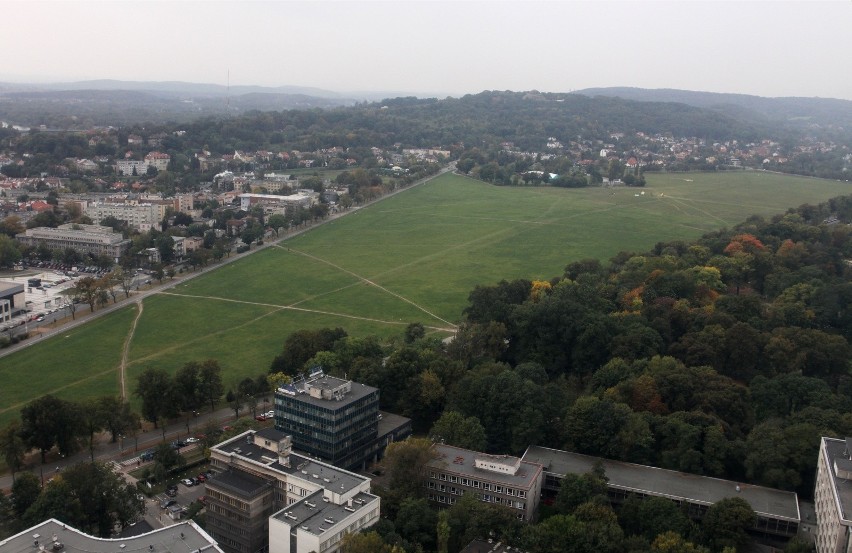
(183, 537)
(702, 490)
(241, 483)
(300, 465)
(312, 514)
(8, 288)
(390, 423)
(462, 462)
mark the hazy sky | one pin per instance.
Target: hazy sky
(767, 48)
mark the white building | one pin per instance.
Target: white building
(833, 496)
(142, 217)
(266, 496)
(272, 202)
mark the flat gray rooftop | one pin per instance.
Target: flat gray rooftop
(8, 288)
(357, 392)
(461, 461)
(301, 465)
(311, 512)
(391, 422)
(240, 482)
(835, 449)
(184, 537)
(702, 490)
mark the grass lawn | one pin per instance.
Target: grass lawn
(412, 257)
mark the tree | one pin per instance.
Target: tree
(653, 516)
(414, 332)
(727, 522)
(25, 491)
(277, 222)
(187, 382)
(455, 429)
(12, 446)
(156, 390)
(92, 421)
(106, 500)
(416, 521)
(117, 416)
(165, 244)
(88, 290)
(49, 421)
(10, 253)
(577, 489)
(210, 382)
(405, 461)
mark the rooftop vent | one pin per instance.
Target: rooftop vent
(350, 509)
(309, 504)
(328, 520)
(305, 528)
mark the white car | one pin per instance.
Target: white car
(187, 482)
(191, 440)
(270, 414)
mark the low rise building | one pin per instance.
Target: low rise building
(272, 202)
(777, 510)
(85, 239)
(12, 299)
(499, 479)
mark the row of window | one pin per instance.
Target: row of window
(476, 484)
(452, 500)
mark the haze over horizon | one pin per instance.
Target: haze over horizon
(438, 48)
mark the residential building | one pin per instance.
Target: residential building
(336, 420)
(266, 497)
(86, 239)
(53, 535)
(142, 217)
(499, 479)
(128, 167)
(777, 511)
(833, 496)
(158, 160)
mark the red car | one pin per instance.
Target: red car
(202, 477)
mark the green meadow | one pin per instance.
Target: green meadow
(412, 257)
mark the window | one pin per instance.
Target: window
(443, 476)
(510, 491)
(498, 489)
(522, 493)
(486, 486)
(476, 483)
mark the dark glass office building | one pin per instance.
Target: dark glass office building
(334, 419)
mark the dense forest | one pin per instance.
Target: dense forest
(726, 357)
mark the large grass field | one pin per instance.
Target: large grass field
(412, 257)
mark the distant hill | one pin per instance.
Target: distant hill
(790, 110)
(107, 102)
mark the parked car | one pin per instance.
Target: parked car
(192, 440)
(202, 477)
(166, 503)
(187, 482)
(171, 492)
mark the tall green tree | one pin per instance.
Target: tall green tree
(13, 447)
(49, 421)
(210, 382)
(155, 389)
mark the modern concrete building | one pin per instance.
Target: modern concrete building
(12, 299)
(499, 479)
(86, 239)
(833, 496)
(336, 420)
(315, 524)
(54, 536)
(258, 476)
(777, 511)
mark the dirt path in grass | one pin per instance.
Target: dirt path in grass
(122, 376)
(371, 283)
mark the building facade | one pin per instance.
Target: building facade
(142, 217)
(259, 480)
(86, 239)
(334, 419)
(833, 496)
(498, 479)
